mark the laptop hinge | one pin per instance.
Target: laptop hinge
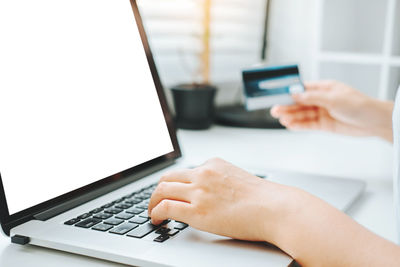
(56, 210)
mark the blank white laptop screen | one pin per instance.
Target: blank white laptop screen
(77, 99)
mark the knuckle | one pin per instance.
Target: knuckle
(198, 194)
(218, 160)
(201, 189)
(200, 208)
(165, 176)
(162, 179)
(206, 172)
(214, 160)
(161, 188)
(165, 206)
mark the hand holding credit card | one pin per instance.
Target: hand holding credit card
(265, 87)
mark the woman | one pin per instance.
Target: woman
(223, 199)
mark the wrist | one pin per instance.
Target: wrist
(295, 220)
(381, 125)
(280, 213)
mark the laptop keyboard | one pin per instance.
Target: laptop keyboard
(128, 216)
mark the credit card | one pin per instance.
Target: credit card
(265, 87)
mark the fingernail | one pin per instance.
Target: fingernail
(284, 121)
(274, 112)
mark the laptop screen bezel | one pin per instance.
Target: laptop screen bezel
(124, 177)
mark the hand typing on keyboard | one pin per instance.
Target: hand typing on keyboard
(220, 198)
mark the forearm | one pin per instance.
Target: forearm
(316, 234)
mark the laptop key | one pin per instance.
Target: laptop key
(96, 210)
(132, 201)
(102, 227)
(123, 206)
(127, 196)
(113, 211)
(145, 214)
(139, 197)
(88, 223)
(173, 232)
(163, 231)
(180, 225)
(72, 221)
(118, 200)
(102, 216)
(161, 238)
(143, 230)
(123, 229)
(107, 205)
(139, 220)
(124, 216)
(139, 208)
(84, 216)
(166, 221)
(113, 221)
(134, 211)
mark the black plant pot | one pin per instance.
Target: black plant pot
(194, 106)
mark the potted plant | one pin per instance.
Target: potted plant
(194, 103)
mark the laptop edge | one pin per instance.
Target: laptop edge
(60, 204)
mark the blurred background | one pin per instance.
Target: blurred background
(355, 41)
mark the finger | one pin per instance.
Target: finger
(291, 108)
(313, 98)
(310, 86)
(279, 111)
(211, 162)
(304, 125)
(171, 209)
(275, 111)
(308, 114)
(182, 176)
(169, 190)
(318, 85)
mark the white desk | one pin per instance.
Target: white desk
(366, 158)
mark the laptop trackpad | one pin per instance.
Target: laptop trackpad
(191, 246)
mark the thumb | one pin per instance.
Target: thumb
(313, 98)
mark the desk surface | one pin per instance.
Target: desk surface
(368, 159)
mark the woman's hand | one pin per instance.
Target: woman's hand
(335, 107)
(222, 199)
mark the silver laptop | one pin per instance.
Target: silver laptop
(86, 134)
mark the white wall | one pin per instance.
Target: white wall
(291, 33)
(290, 40)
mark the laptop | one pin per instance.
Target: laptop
(87, 133)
